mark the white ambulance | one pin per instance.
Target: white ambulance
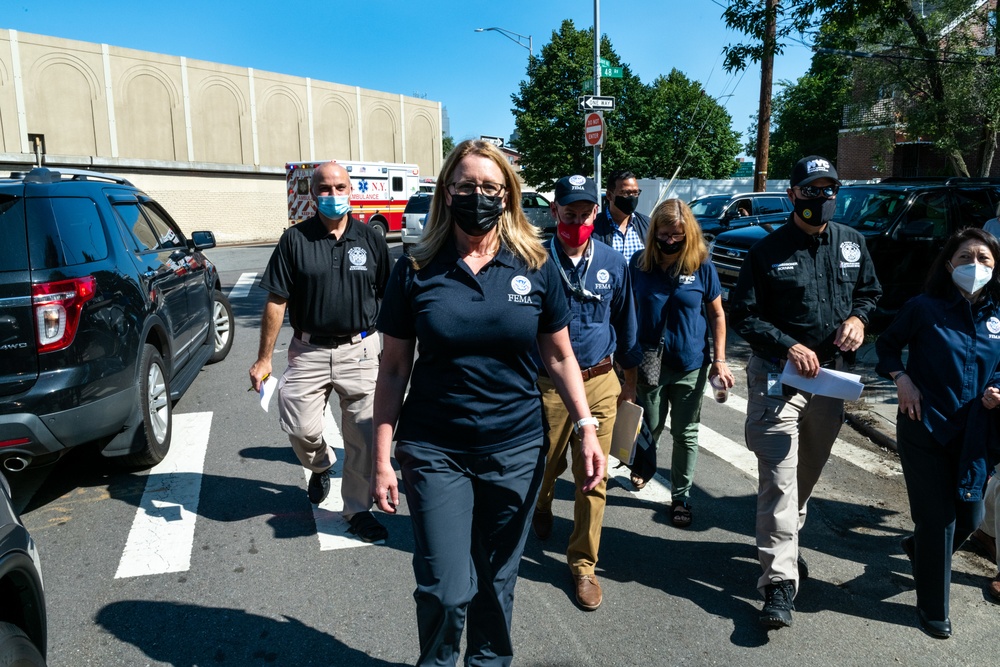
(379, 191)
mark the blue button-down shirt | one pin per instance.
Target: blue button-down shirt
(600, 327)
(954, 354)
(626, 244)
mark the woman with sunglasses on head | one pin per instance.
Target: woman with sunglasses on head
(678, 303)
(461, 317)
(948, 394)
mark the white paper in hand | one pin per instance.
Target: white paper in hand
(266, 391)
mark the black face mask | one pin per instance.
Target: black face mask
(476, 214)
(668, 248)
(626, 204)
(815, 212)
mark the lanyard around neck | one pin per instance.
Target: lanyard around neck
(580, 291)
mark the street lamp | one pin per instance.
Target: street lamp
(512, 36)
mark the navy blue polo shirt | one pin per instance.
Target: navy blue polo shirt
(599, 327)
(679, 301)
(473, 383)
(954, 355)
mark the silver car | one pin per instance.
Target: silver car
(23, 625)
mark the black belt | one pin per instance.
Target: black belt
(600, 368)
(332, 341)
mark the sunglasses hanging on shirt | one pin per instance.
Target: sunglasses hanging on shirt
(579, 291)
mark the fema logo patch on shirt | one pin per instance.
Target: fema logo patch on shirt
(993, 325)
(521, 286)
(603, 276)
(358, 258)
(851, 252)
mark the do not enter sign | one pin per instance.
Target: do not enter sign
(593, 129)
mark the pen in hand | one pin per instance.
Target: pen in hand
(261, 381)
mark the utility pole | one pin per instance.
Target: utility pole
(764, 110)
(597, 84)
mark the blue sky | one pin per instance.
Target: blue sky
(427, 48)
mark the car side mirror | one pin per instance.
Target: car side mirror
(202, 240)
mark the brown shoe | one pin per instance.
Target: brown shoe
(984, 544)
(993, 588)
(541, 523)
(588, 591)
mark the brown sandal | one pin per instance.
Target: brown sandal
(680, 514)
(638, 482)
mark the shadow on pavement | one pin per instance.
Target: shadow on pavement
(187, 635)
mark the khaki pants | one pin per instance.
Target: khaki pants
(991, 517)
(588, 508)
(792, 437)
(313, 373)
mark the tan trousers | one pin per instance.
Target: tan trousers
(313, 373)
(588, 508)
(991, 517)
(792, 438)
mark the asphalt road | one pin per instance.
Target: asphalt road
(221, 559)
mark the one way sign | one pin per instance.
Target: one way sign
(593, 102)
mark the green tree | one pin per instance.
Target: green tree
(934, 74)
(806, 114)
(688, 130)
(447, 143)
(549, 125)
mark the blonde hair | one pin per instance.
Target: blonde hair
(513, 229)
(694, 252)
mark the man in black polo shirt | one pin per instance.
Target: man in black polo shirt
(330, 271)
(804, 295)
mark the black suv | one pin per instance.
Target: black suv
(905, 223)
(107, 314)
(720, 213)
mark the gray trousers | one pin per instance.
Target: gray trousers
(314, 373)
(792, 437)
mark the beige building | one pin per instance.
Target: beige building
(209, 141)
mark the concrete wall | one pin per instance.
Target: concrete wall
(210, 141)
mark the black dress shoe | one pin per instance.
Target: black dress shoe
(319, 486)
(936, 629)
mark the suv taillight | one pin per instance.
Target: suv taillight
(57, 310)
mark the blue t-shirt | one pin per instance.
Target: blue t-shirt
(473, 383)
(680, 302)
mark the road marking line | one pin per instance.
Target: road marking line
(880, 465)
(243, 285)
(734, 453)
(162, 533)
(331, 528)
(656, 491)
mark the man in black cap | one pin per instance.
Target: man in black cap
(804, 295)
(595, 280)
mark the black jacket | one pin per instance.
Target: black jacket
(604, 227)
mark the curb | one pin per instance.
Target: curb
(874, 426)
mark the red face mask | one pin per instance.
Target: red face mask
(574, 235)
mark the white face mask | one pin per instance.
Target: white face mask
(971, 278)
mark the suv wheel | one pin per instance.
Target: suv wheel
(17, 649)
(157, 411)
(380, 226)
(223, 325)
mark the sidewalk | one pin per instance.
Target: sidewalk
(874, 414)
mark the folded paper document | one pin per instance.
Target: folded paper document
(835, 384)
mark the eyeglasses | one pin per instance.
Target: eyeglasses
(672, 237)
(631, 193)
(470, 187)
(812, 192)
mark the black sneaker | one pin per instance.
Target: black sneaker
(778, 607)
(319, 486)
(367, 528)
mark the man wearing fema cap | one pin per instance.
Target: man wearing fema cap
(804, 296)
(595, 280)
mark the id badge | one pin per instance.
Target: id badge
(774, 384)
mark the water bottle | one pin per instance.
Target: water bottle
(721, 393)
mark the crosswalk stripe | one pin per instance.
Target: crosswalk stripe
(331, 529)
(243, 285)
(162, 533)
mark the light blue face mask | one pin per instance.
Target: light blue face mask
(971, 277)
(333, 207)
